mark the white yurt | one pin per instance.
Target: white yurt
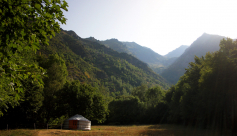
(77, 122)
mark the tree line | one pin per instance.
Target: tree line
(37, 87)
(204, 97)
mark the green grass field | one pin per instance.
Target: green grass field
(132, 130)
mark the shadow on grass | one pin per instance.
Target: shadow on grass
(176, 130)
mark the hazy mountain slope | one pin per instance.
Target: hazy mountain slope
(90, 61)
(155, 61)
(144, 54)
(177, 52)
(205, 43)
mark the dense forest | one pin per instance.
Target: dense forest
(49, 74)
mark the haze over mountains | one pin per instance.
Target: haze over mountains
(177, 52)
(156, 61)
(172, 65)
(203, 44)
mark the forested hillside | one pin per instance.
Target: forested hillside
(204, 97)
(78, 71)
(155, 61)
(48, 75)
(147, 55)
(205, 43)
(117, 71)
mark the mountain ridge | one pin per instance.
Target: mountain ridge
(177, 52)
(203, 44)
(90, 61)
(155, 61)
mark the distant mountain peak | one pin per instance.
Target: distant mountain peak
(116, 45)
(207, 34)
(112, 39)
(73, 34)
(92, 39)
(177, 52)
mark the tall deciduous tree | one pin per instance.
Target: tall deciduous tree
(56, 78)
(25, 24)
(154, 96)
(140, 92)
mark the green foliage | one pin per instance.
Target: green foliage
(45, 85)
(56, 78)
(24, 25)
(32, 100)
(95, 64)
(154, 96)
(56, 73)
(205, 94)
(124, 110)
(205, 43)
(13, 82)
(27, 111)
(130, 109)
(57, 122)
(140, 92)
(76, 98)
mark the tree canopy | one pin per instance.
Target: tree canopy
(206, 94)
(25, 25)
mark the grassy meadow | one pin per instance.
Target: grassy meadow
(133, 130)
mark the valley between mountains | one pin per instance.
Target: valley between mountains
(52, 78)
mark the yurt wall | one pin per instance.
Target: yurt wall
(77, 122)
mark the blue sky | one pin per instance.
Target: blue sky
(162, 25)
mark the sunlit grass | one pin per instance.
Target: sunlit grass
(131, 130)
(19, 132)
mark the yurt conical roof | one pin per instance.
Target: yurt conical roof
(78, 117)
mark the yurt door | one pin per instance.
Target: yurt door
(72, 124)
